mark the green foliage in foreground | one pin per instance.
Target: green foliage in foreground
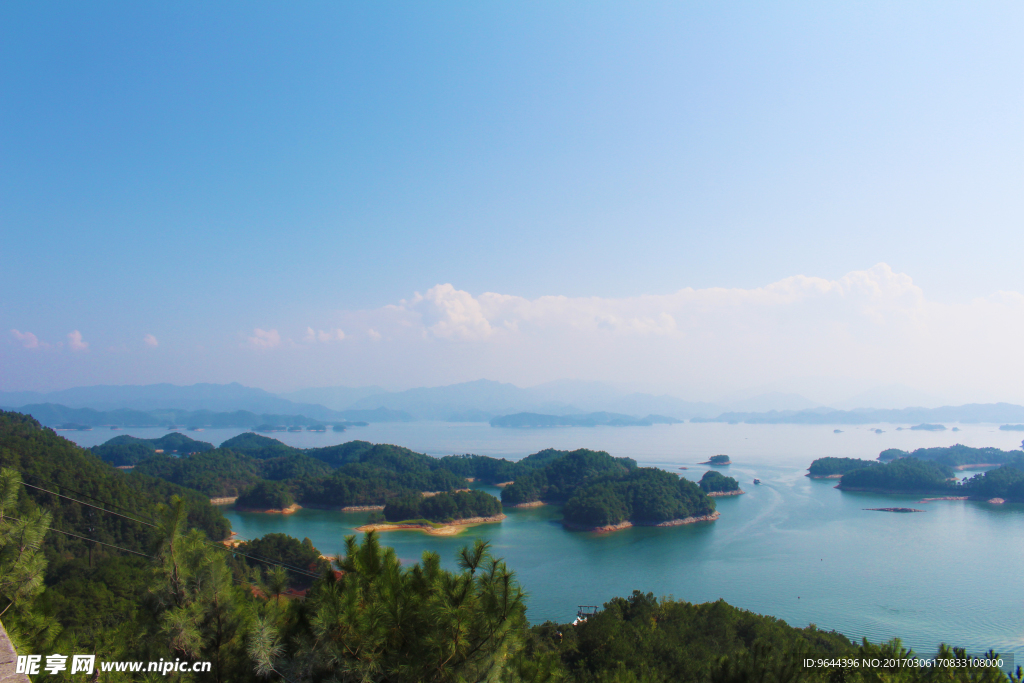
(444, 507)
(49, 461)
(641, 638)
(378, 621)
(716, 482)
(825, 467)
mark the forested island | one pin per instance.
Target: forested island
(441, 514)
(717, 484)
(603, 493)
(912, 475)
(717, 460)
(161, 589)
(833, 468)
(267, 496)
(597, 490)
(958, 456)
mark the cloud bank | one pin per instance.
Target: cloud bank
(873, 326)
(869, 328)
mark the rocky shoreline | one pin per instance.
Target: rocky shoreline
(625, 525)
(722, 494)
(449, 529)
(824, 476)
(531, 504)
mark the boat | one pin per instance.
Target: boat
(757, 482)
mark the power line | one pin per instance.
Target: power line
(109, 545)
(86, 495)
(38, 488)
(93, 540)
(257, 558)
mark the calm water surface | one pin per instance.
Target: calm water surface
(793, 547)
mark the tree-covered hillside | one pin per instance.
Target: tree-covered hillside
(266, 495)
(905, 474)
(444, 507)
(51, 462)
(125, 450)
(271, 610)
(561, 474)
(644, 495)
(956, 456)
(1005, 482)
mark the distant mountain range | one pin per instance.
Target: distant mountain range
(533, 420)
(56, 415)
(215, 397)
(484, 400)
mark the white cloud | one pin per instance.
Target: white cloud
(874, 325)
(264, 339)
(312, 336)
(373, 334)
(27, 339)
(150, 341)
(76, 343)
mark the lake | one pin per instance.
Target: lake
(794, 548)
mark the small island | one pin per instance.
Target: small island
(834, 468)
(929, 427)
(718, 460)
(893, 510)
(716, 484)
(267, 496)
(442, 514)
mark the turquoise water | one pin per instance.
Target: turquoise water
(793, 547)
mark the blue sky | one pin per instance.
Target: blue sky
(198, 171)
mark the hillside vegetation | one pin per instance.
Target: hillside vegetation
(271, 609)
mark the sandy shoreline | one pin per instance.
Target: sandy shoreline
(625, 525)
(294, 507)
(445, 530)
(531, 504)
(824, 476)
(722, 494)
(976, 466)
